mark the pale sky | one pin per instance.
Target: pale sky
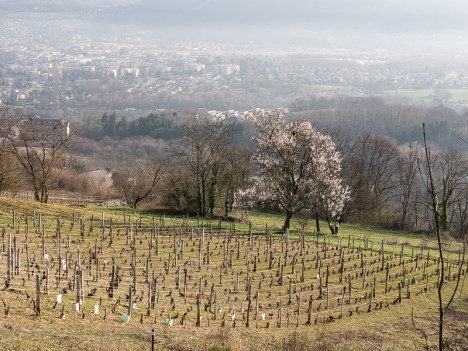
(429, 23)
(372, 14)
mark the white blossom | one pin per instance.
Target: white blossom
(299, 166)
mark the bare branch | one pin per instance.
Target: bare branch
(423, 333)
(38, 144)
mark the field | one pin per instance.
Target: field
(92, 278)
(457, 94)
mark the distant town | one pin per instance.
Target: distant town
(79, 76)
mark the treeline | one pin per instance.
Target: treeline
(402, 123)
(115, 140)
(318, 102)
(165, 126)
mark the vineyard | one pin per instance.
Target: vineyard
(174, 271)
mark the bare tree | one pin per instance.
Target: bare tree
(139, 182)
(9, 177)
(202, 149)
(179, 189)
(407, 189)
(38, 145)
(433, 192)
(461, 214)
(451, 177)
(371, 174)
(234, 175)
(462, 209)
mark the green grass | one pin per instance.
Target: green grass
(410, 240)
(259, 220)
(411, 93)
(457, 94)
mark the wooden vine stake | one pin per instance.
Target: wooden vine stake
(309, 311)
(38, 295)
(198, 324)
(280, 316)
(130, 301)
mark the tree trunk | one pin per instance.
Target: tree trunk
(45, 198)
(213, 191)
(332, 226)
(441, 271)
(41, 193)
(203, 197)
(226, 208)
(337, 228)
(404, 213)
(443, 216)
(317, 222)
(287, 221)
(199, 197)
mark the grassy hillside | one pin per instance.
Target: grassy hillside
(282, 276)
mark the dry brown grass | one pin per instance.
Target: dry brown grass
(388, 328)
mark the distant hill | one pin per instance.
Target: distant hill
(428, 25)
(59, 5)
(357, 14)
(206, 12)
(384, 14)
